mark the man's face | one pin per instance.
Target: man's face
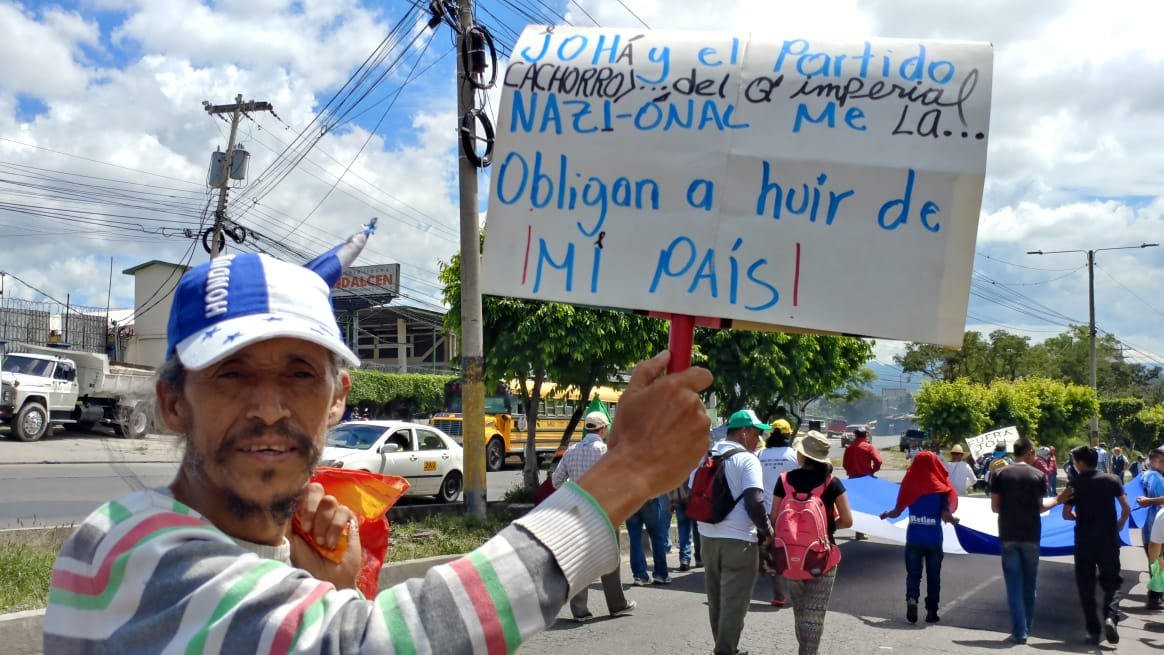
(957, 457)
(1156, 463)
(256, 422)
(752, 438)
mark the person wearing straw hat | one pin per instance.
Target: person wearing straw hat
(810, 598)
(255, 374)
(961, 473)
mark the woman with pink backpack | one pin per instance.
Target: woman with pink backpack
(808, 506)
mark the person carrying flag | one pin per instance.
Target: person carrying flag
(927, 493)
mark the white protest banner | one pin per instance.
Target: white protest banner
(813, 185)
(984, 443)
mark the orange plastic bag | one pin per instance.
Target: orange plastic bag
(369, 496)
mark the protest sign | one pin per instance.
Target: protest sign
(984, 443)
(778, 183)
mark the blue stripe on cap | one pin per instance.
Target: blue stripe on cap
(224, 288)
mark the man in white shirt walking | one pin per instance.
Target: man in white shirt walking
(961, 474)
(777, 457)
(577, 460)
(731, 555)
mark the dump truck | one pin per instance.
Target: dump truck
(41, 387)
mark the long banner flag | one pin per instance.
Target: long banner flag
(977, 530)
(771, 183)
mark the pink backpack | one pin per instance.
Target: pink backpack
(801, 549)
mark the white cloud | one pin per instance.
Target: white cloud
(38, 54)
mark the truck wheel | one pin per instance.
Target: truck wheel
(31, 422)
(135, 424)
(494, 455)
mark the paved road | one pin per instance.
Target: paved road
(62, 478)
(866, 613)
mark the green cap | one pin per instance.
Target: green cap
(746, 418)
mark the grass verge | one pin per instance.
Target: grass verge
(441, 534)
(26, 563)
(25, 569)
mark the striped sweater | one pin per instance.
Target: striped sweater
(147, 574)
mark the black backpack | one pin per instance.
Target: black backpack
(711, 499)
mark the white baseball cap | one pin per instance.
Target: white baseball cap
(233, 301)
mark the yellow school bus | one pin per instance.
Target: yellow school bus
(505, 419)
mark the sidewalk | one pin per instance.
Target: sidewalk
(100, 446)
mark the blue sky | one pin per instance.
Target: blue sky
(113, 90)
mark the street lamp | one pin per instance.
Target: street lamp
(1094, 432)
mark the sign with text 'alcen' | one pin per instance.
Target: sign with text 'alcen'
(797, 183)
(367, 285)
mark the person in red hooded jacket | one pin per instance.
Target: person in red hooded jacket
(931, 499)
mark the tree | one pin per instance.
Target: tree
(973, 361)
(952, 411)
(932, 361)
(1007, 352)
(534, 342)
(1048, 411)
(1146, 428)
(1117, 411)
(768, 370)
(395, 394)
(1012, 404)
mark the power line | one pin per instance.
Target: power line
(1134, 294)
(632, 13)
(1029, 268)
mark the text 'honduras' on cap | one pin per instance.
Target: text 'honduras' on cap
(233, 301)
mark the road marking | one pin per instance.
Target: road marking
(979, 587)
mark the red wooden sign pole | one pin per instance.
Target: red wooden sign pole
(680, 341)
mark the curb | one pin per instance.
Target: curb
(22, 632)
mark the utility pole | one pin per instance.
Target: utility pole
(236, 110)
(472, 336)
(1093, 433)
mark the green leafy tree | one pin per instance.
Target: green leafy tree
(1012, 404)
(536, 342)
(1007, 353)
(934, 362)
(1117, 411)
(952, 411)
(398, 394)
(973, 361)
(1064, 411)
(766, 371)
(1145, 428)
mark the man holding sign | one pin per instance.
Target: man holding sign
(254, 376)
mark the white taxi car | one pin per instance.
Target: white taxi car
(429, 459)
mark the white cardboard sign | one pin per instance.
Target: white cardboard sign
(984, 443)
(797, 183)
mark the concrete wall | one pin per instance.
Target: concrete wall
(153, 290)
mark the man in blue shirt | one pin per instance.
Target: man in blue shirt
(1153, 497)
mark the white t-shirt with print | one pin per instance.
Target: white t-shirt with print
(773, 462)
(742, 471)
